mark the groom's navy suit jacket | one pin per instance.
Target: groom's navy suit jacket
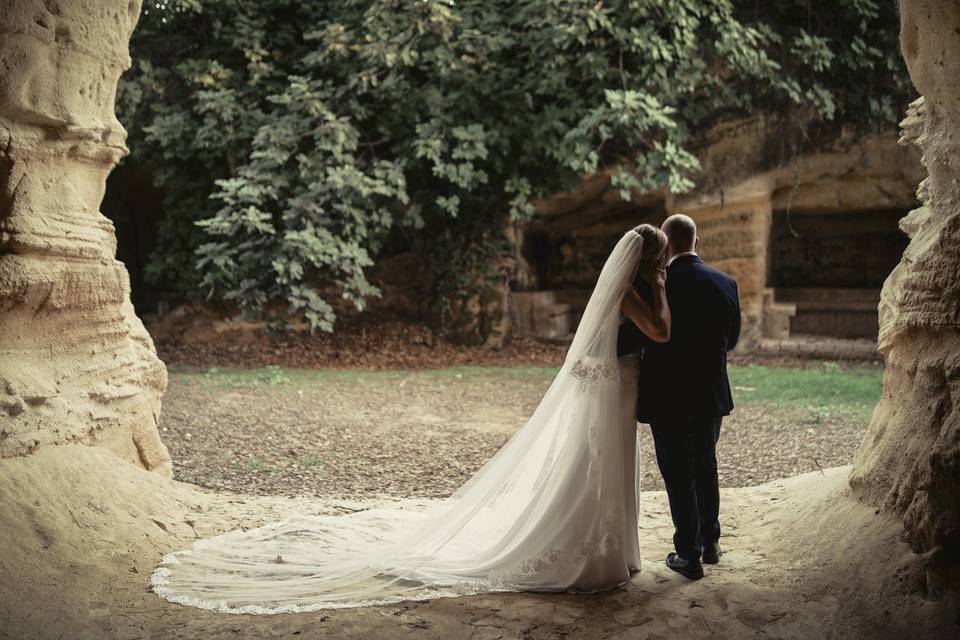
(687, 376)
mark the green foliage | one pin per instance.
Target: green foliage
(843, 58)
(291, 137)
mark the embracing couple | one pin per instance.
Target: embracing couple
(555, 509)
(683, 391)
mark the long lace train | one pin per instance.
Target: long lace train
(554, 510)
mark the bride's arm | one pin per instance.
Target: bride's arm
(654, 322)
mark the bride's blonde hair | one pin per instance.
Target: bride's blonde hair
(654, 244)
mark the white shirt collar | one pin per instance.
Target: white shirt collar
(680, 255)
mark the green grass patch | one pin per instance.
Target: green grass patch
(311, 460)
(824, 389)
(254, 465)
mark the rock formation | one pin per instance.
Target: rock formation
(909, 463)
(76, 364)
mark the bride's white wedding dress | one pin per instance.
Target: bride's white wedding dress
(554, 510)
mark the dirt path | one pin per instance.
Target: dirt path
(86, 530)
(353, 434)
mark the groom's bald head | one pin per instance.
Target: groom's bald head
(681, 230)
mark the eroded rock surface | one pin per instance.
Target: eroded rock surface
(76, 364)
(910, 459)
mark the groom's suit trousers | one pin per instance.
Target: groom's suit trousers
(687, 456)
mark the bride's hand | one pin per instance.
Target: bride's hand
(660, 277)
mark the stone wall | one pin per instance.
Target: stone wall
(76, 364)
(850, 189)
(560, 252)
(736, 212)
(572, 233)
(733, 238)
(909, 462)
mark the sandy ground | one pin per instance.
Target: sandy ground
(82, 532)
(423, 434)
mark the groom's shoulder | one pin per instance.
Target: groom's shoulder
(712, 270)
(714, 274)
(696, 269)
(698, 266)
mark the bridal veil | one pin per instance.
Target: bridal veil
(553, 510)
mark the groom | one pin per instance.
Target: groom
(684, 392)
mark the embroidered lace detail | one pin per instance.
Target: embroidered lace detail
(605, 543)
(602, 371)
(536, 565)
(527, 570)
(611, 533)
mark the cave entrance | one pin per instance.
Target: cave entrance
(825, 270)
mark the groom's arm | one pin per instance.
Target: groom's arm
(733, 333)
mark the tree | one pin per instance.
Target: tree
(293, 137)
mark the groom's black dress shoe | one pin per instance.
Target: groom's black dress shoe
(687, 568)
(712, 553)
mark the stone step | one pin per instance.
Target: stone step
(776, 317)
(827, 305)
(548, 315)
(810, 346)
(826, 295)
(836, 322)
(830, 312)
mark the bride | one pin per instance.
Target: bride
(554, 510)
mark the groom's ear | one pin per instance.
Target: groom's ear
(696, 242)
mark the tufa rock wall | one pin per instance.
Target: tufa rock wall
(909, 462)
(76, 364)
